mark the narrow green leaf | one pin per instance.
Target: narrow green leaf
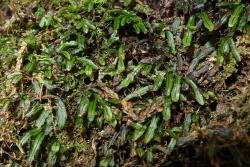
(187, 39)
(66, 54)
(207, 22)
(61, 113)
(108, 115)
(88, 70)
(70, 63)
(15, 77)
(36, 146)
(91, 110)
(124, 20)
(107, 112)
(113, 37)
(219, 59)
(137, 29)
(52, 157)
(149, 135)
(198, 96)
(55, 147)
(224, 46)
(166, 113)
(29, 67)
(235, 16)
(83, 105)
(159, 79)
(139, 92)
(29, 134)
(222, 20)
(42, 118)
(171, 145)
(169, 83)
(205, 50)
(142, 27)
(130, 78)
(175, 94)
(66, 45)
(191, 23)
(117, 22)
(234, 50)
(171, 42)
(140, 151)
(138, 132)
(89, 62)
(149, 155)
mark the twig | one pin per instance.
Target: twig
(20, 56)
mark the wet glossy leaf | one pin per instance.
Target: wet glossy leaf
(117, 22)
(89, 62)
(149, 135)
(166, 113)
(175, 94)
(169, 83)
(130, 78)
(45, 21)
(83, 105)
(70, 63)
(234, 50)
(52, 157)
(140, 152)
(171, 144)
(207, 22)
(55, 147)
(137, 28)
(29, 134)
(138, 132)
(61, 113)
(139, 92)
(149, 155)
(29, 67)
(171, 42)
(67, 45)
(159, 79)
(36, 146)
(91, 110)
(191, 23)
(113, 38)
(37, 87)
(187, 122)
(142, 27)
(207, 49)
(108, 115)
(224, 46)
(42, 118)
(15, 77)
(187, 39)
(234, 18)
(198, 95)
(219, 59)
(222, 20)
(88, 70)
